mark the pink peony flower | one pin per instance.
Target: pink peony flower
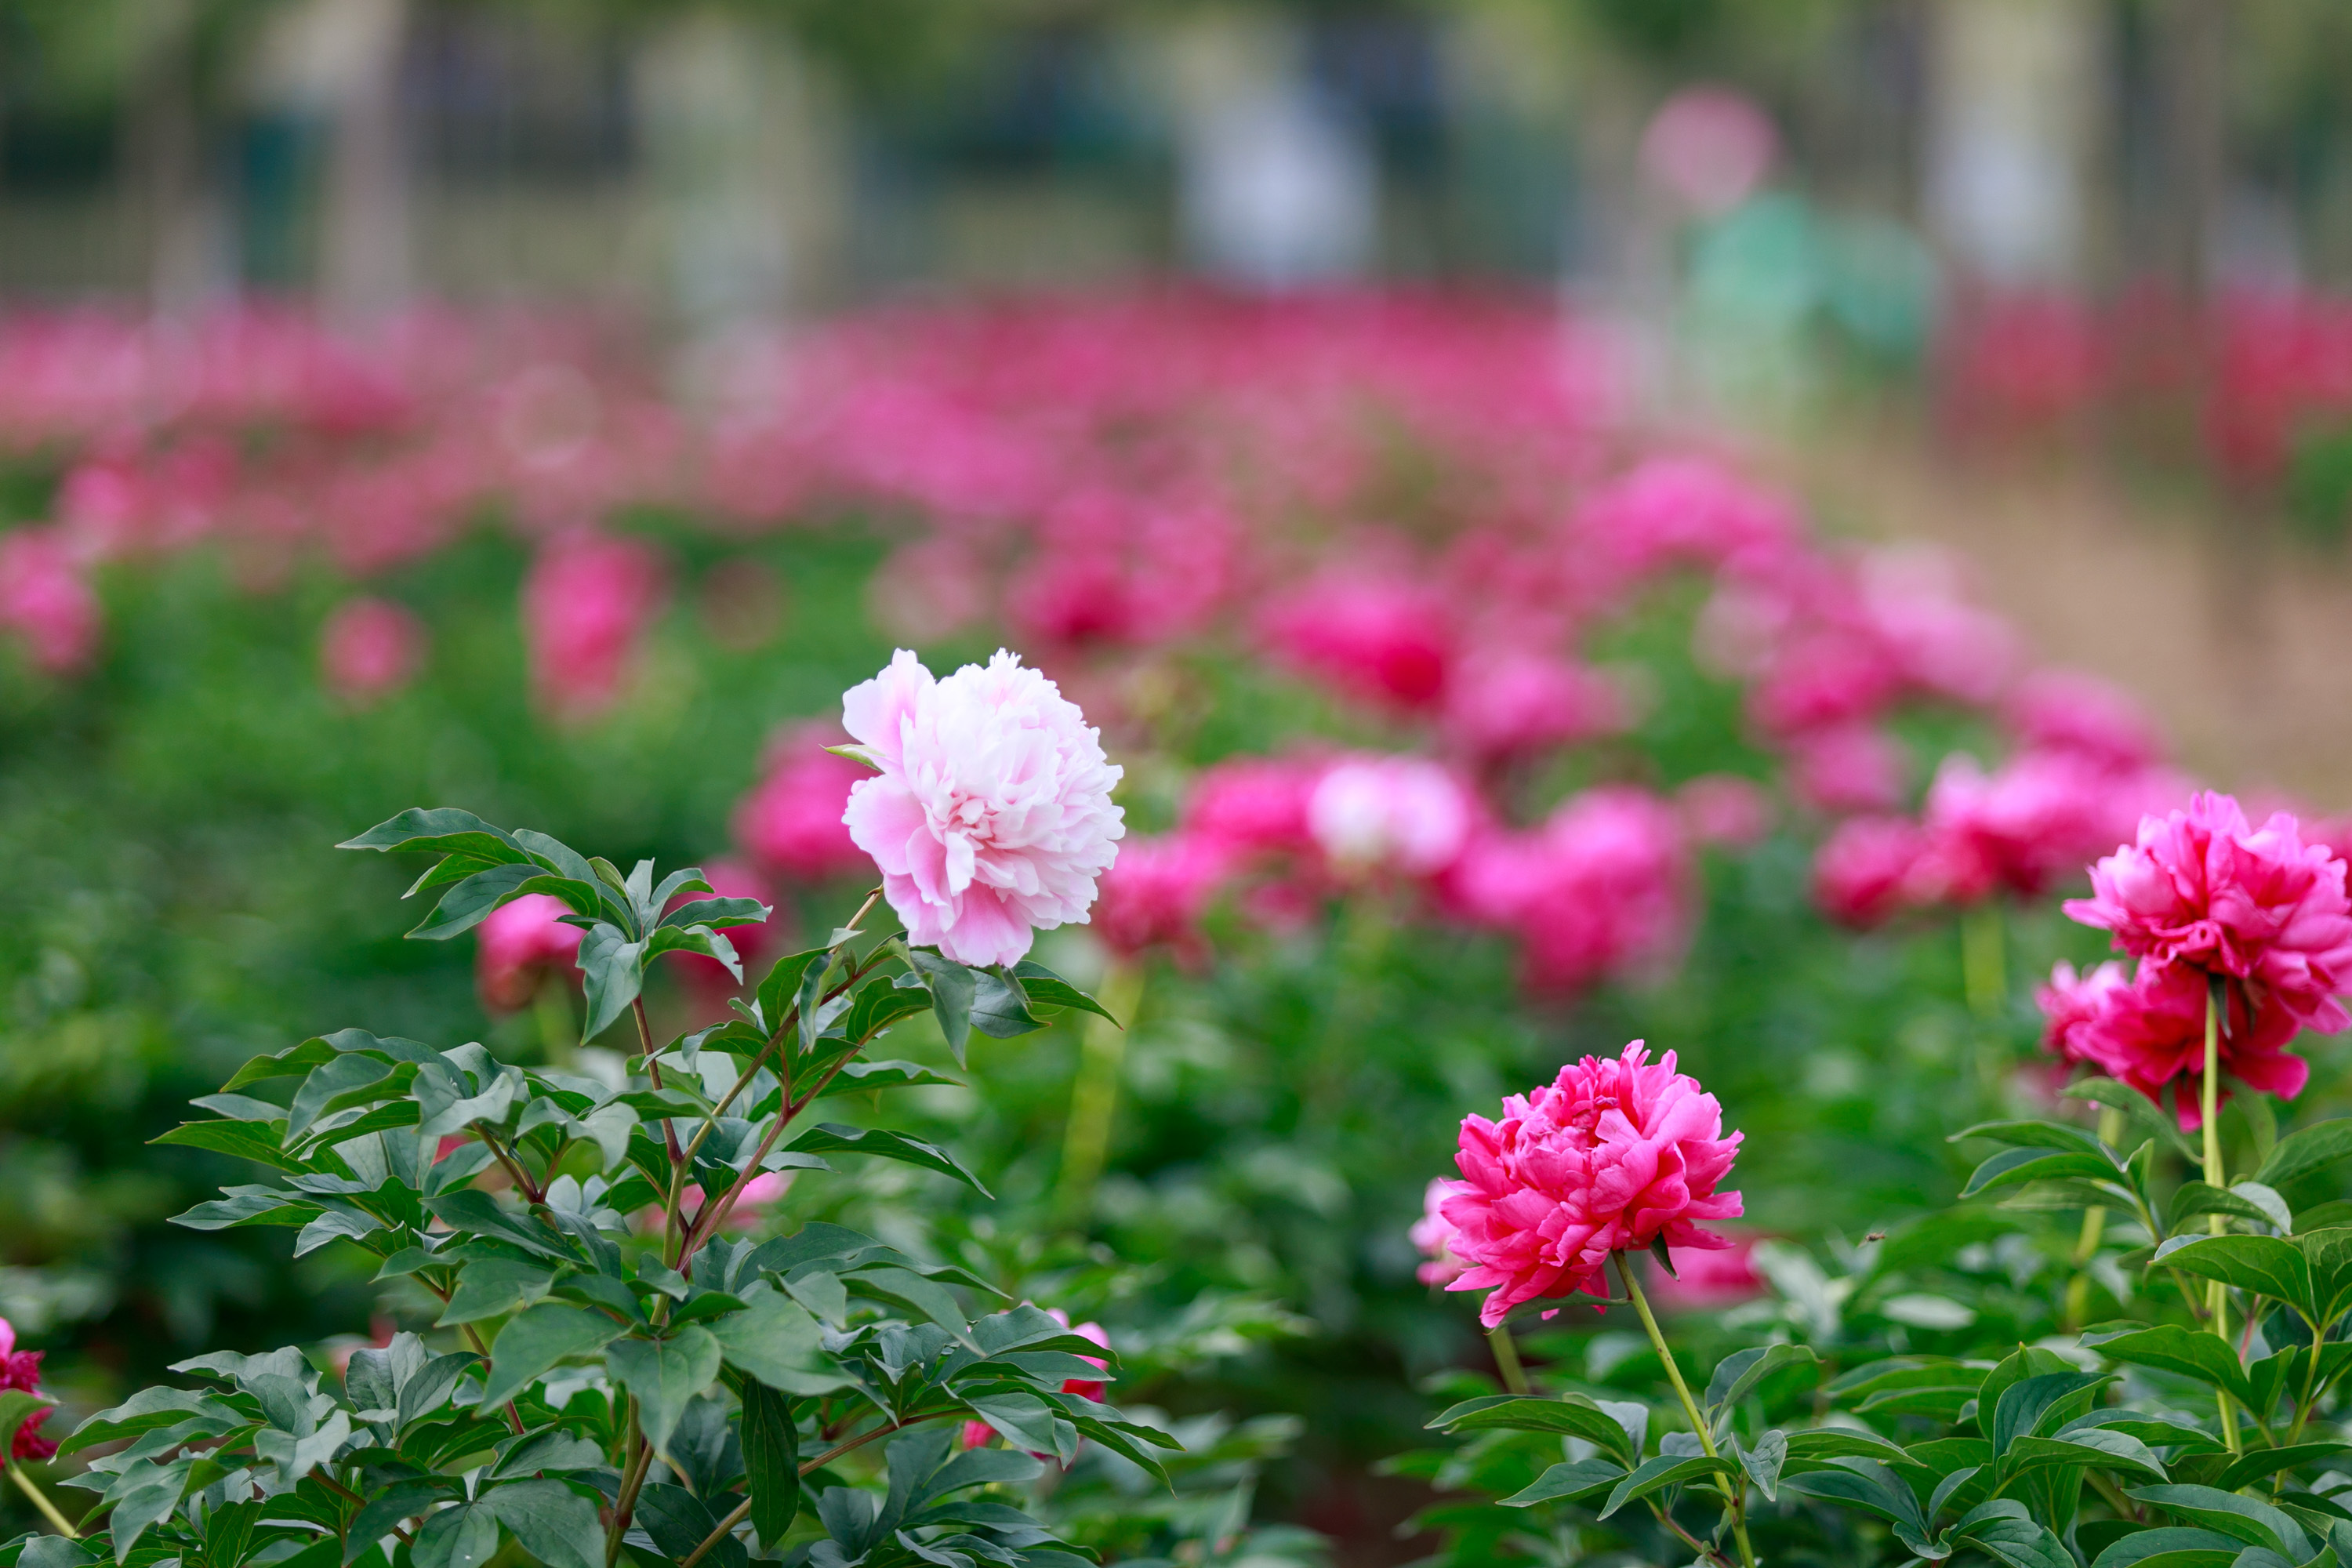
(1725, 809)
(1433, 1233)
(1404, 814)
(2038, 818)
(1156, 893)
(1860, 870)
(45, 600)
(1614, 1155)
(1597, 891)
(1252, 805)
(1506, 704)
(369, 649)
(2152, 1031)
(1711, 146)
(2062, 711)
(22, 1370)
(585, 604)
(1709, 1281)
(1846, 767)
(992, 816)
(520, 942)
(791, 820)
(2070, 1003)
(1380, 638)
(2260, 906)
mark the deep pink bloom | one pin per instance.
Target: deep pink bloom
(1683, 509)
(45, 600)
(518, 943)
(791, 820)
(1252, 805)
(1156, 892)
(1383, 639)
(1509, 704)
(2201, 888)
(2071, 1002)
(2039, 819)
(586, 604)
(979, 1433)
(22, 1370)
(1861, 868)
(1433, 1235)
(1598, 889)
(1404, 814)
(2152, 1031)
(1846, 767)
(1724, 809)
(706, 976)
(992, 816)
(1939, 642)
(1615, 1154)
(2064, 710)
(368, 649)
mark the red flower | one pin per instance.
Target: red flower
(22, 1370)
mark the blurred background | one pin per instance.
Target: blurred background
(1693, 421)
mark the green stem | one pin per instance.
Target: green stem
(1507, 1359)
(1734, 1498)
(41, 1500)
(1094, 1092)
(2208, 1105)
(2095, 1225)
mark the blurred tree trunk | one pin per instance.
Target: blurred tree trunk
(366, 251)
(170, 178)
(2193, 45)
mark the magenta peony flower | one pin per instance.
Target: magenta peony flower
(2021, 828)
(2260, 906)
(1708, 1281)
(791, 820)
(992, 816)
(22, 1370)
(1612, 1157)
(518, 943)
(368, 649)
(2061, 710)
(1252, 805)
(1724, 809)
(45, 600)
(1156, 893)
(1506, 704)
(1404, 814)
(1433, 1233)
(2152, 1031)
(1846, 767)
(1385, 638)
(708, 978)
(1598, 889)
(585, 605)
(1860, 870)
(2070, 1003)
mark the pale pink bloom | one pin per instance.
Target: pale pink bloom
(1433, 1235)
(1252, 805)
(760, 1193)
(1380, 638)
(1404, 814)
(1708, 1281)
(520, 942)
(2152, 1031)
(1614, 1155)
(1724, 809)
(46, 599)
(2201, 887)
(2071, 1002)
(1508, 704)
(992, 817)
(1847, 767)
(1682, 510)
(585, 604)
(368, 649)
(1599, 890)
(1156, 891)
(1861, 868)
(1711, 146)
(1941, 644)
(791, 820)
(1823, 678)
(2064, 710)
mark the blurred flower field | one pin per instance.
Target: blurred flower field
(1468, 729)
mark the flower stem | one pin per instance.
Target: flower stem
(1734, 1497)
(2095, 1226)
(41, 1500)
(2208, 1105)
(1507, 1359)
(1094, 1093)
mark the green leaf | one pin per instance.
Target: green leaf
(2227, 1512)
(999, 1008)
(2021, 1543)
(441, 830)
(782, 984)
(2024, 1405)
(152, 1494)
(492, 1287)
(880, 1004)
(2170, 1547)
(2195, 1198)
(255, 1140)
(17, 1406)
(2265, 1265)
(2090, 1445)
(1763, 1462)
(953, 987)
(613, 969)
(1737, 1375)
(472, 901)
(678, 1521)
(1047, 989)
(2307, 1150)
(2036, 1135)
(536, 1340)
(771, 1461)
(1571, 1415)
(1845, 1443)
(833, 1138)
(1666, 1470)
(860, 1076)
(664, 1374)
(776, 1341)
(2015, 1167)
(1863, 1483)
(1027, 1421)
(1575, 1479)
(465, 1536)
(2172, 1348)
(554, 1524)
(2257, 1464)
